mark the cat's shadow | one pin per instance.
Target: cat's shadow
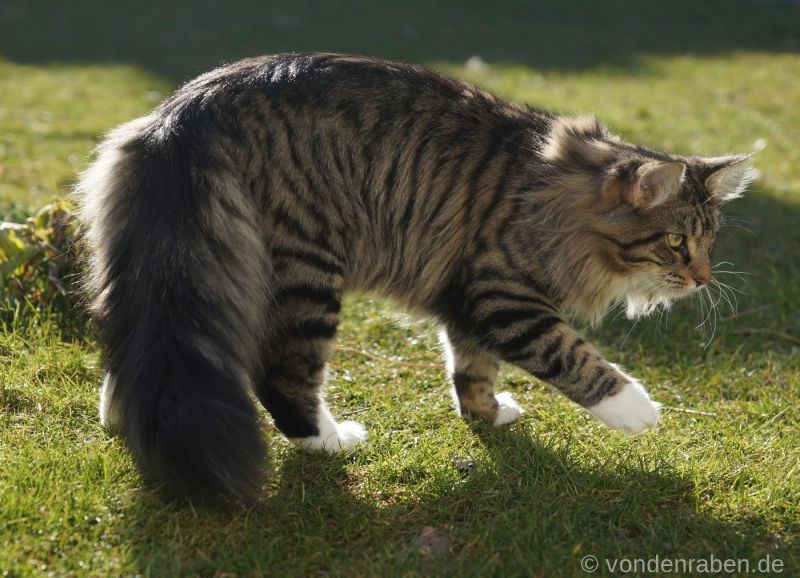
(523, 492)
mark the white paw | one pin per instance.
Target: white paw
(630, 410)
(344, 438)
(333, 437)
(350, 435)
(508, 411)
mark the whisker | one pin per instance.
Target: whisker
(624, 341)
(701, 296)
(730, 294)
(737, 226)
(727, 299)
(732, 288)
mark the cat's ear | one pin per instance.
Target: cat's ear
(655, 183)
(730, 177)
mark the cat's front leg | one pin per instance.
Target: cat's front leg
(547, 347)
(473, 372)
(573, 366)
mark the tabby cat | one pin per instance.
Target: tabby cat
(225, 227)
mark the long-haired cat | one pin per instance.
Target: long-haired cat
(225, 226)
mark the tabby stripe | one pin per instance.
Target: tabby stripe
(697, 223)
(429, 134)
(511, 262)
(552, 348)
(294, 226)
(262, 136)
(320, 217)
(319, 239)
(377, 133)
(584, 358)
(483, 165)
(366, 182)
(499, 190)
(302, 168)
(349, 110)
(503, 295)
(403, 201)
(315, 329)
(410, 198)
(515, 345)
(320, 162)
(444, 191)
(337, 158)
(312, 294)
(507, 173)
(351, 161)
(504, 318)
(553, 370)
(283, 218)
(601, 391)
(320, 170)
(284, 121)
(554, 365)
(490, 273)
(592, 381)
(637, 259)
(391, 175)
(311, 259)
(463, 381)
(705, 220)
(636, 243)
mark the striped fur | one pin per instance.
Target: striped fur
(226, 226)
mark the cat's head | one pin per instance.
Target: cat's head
(653, 217)
(663, 221)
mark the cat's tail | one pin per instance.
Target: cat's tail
(176, 270)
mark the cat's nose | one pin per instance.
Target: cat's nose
(701, 280)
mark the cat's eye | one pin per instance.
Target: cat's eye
(675, 240)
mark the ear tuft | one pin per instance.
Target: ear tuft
(581, 140)
(655, 183)
(732, 177)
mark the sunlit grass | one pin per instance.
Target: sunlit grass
(719, 477)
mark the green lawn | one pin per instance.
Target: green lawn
(720, 476)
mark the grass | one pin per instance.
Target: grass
(720, 476)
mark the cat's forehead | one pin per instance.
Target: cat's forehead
(693, 211)
(701, 212)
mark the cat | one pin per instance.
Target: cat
(225, 227)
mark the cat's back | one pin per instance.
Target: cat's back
(321, 77)
(357, 88)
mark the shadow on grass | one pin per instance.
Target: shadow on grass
(529, 509)
(182, 38)
(534, 505)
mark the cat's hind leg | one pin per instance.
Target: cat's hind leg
(108, 413)
(293, 373)
(473, 373)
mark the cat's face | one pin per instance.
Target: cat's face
(663, 223)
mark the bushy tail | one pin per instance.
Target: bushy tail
(176, 268)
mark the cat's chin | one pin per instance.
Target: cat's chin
(645, 305)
